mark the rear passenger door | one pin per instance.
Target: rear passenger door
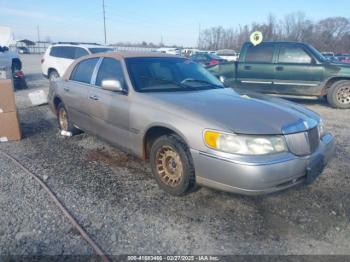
(255, 69)
(110, 110)
(296, 71)
(75, 93)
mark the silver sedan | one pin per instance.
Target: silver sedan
(193, 130)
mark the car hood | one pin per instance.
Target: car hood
(244, 114)
(338, 68)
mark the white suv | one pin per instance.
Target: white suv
(58, 57)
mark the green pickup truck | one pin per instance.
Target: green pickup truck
(288, 69)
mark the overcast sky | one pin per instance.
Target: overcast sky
(148, 20)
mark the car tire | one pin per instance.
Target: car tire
(53, 75)
(338, 95)
(63, 120)
(172, 165)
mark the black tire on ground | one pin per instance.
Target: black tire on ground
(338, 95)
(53, 75)
(63, 120)
(172, 165)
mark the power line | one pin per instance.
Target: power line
(104, 20)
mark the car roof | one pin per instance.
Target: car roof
(131, 54)
(120, 55)
(280, 42)
(81, 45)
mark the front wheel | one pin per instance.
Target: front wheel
(172, 165)
(339, 94)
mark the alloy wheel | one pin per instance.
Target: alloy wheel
(169, 166)
(343, 95)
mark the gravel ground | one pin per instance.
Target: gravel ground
(115, 198)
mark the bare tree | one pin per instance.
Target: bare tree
(331, 34)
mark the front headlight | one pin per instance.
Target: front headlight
(244, 144)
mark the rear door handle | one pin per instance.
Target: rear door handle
(247, 68)
(66, 89)
(279, 68)
(94, 97)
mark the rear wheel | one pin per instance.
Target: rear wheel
(172, 165)
(63, 120)
(339, 94)
(53, 75)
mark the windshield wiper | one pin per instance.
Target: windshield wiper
(166, 81)
(203, 82)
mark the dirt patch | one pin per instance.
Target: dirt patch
(117, 159)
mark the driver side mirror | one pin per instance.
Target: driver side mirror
(223, 80)
(112, 85)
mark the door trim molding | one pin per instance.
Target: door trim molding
(255, 82)
(295, 84)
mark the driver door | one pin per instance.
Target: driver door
(109, 109)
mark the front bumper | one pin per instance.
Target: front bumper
(256, 177)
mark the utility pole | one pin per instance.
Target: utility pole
(104, 20)
(38, 31)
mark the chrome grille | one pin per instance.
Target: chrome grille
(314, 138)
(303, 143)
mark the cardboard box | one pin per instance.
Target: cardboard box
(9, 127)
(7, 97)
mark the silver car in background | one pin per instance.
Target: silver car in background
(193, 130)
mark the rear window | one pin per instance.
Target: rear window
(100, 50)
(67, 52)
(259, 53)
(83, 71)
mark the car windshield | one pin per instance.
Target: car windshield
(318, 54)
(167, 74)
(100, 50)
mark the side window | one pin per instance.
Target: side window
(79, 52)
(260, 53)
(294, 55)
(83, 71)
(110, 69)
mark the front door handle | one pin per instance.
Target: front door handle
(66, 89)
(94, 97)
(247, 68)
(279, 68)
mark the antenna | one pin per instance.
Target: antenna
(104, 20)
